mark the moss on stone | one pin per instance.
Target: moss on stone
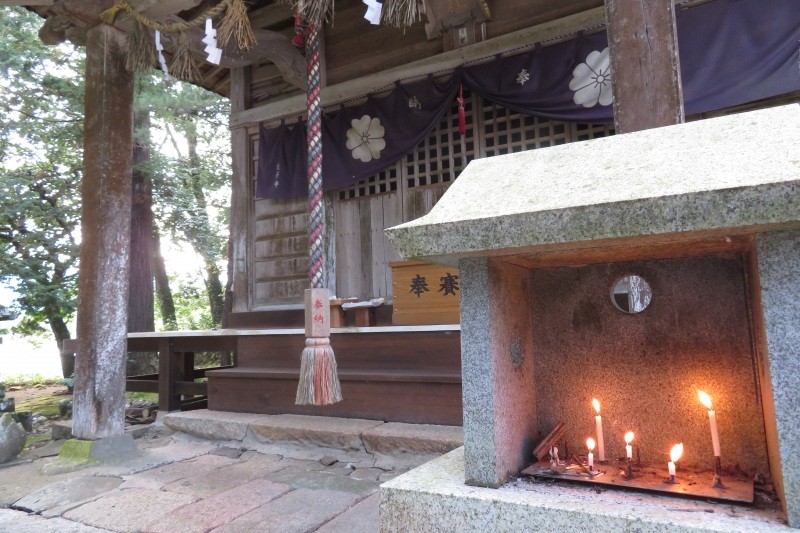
(76, 450)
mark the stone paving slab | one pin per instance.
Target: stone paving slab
(223, 478)
(17, 521)
(214, 425)
(220, 509)
(149, 458)
(309, 479)
(361, 518)
(299, 511)
(156, 478)
(25, 478)
(66, 493)
(323, 431)
(126, 510)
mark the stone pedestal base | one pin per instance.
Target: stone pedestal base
(434, 497)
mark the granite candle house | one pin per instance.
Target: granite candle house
(636, 269)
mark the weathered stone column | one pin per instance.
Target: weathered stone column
(779, 276)
(497, 370)
(99, 400)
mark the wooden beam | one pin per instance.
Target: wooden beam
(271, 15)
(645, 66)
(335, 94)
(99, 399)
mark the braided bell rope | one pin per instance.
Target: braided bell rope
(110, 15)
(316, 205)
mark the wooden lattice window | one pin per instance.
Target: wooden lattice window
(441, 157)
(382, 182)
(506, 131)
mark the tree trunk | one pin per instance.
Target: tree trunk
(202, 238)
(140, 293)
(61, 333)
(165, 303)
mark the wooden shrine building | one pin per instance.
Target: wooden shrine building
(503, 76)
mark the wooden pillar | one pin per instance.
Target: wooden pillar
(99, 399)
(241, 191)
(643, 44)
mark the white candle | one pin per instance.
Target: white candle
(705, 399)
(628, 447)
(598, 422)
(712, 420)
(590, 457)
(674, 454)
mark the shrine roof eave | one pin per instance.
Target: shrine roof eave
(729, 175)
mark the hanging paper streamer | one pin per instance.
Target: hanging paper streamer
(160, 50)
(374, 10)
(210, 40)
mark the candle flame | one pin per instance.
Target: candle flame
(705, 399)
(590, 443)
(629, 437)
(596, 405)
(676, 452)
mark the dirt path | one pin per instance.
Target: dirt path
(27, 394)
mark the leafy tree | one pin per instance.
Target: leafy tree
(41, 130)
(191, 185)
(41, 103)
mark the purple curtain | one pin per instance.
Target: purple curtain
(731, 52)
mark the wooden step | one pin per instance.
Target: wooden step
(417, 397)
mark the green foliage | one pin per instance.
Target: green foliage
(40, 171)
(29, 380)
(41, 153)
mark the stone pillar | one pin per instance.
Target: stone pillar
(497, 370)
(778, 256)
(645, 66)
(99, 399)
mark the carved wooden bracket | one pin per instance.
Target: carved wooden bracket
(270, 45)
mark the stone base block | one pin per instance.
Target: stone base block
(214, 425)
(434, 498)
(323, 431)
(87, 450)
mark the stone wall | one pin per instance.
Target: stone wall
(646, 368)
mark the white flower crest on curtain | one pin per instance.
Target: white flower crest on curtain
(591, 80)
(365, 138)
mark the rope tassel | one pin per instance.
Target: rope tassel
(236, 25)
(142, 50)
(319, 380)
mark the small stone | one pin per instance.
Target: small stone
(328, 460)
(24, 418)
(7, 405)
(366, 474)
(12, 438)
(225, 451)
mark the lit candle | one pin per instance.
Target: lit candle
(705, 399)
(598, 421)
(628, 447)
(674, 454)
(590, 457)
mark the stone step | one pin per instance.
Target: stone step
(345, 434)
